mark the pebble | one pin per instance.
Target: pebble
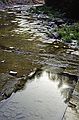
(13, 73)
(2, 61)
(11, 47)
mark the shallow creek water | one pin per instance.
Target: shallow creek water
(43, 97)
(25, 47)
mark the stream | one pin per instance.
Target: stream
(38, 74)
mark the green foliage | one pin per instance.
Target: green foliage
(51, 12)
(69, 33)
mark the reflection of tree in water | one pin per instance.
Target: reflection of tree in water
(22, 83)
(38, 74)
(66, 83)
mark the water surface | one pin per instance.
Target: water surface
(41, 99)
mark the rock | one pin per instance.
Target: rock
(2, 61)
(59, 22)
(49, 35)
(51, 24)
(72, 105)
(38, 1)
(42, 16)
(75, 53)
(32, 74)
(13, 73)
(73, 44)
(11, 48)
(56, 35)
(7, 84)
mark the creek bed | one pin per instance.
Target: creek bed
(25, 46)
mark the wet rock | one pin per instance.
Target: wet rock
(49, 35)
(51, 24)
(2, 5)
(69, 51)
(73, 109)
(73, 44)
(56, 35)
(13, 73)
(75, 53)
(51, 40)
(32, 74)
(71, 105)
(59, 22)
(42, 16)
(71, 76)
(2, 61)
(56, 46)
(11, 48)
(71, 114)
(38, 1)
(7, 83)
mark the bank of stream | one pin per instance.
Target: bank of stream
(38, 71)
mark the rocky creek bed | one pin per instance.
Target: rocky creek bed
(31, 42)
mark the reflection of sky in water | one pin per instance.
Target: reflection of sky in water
(42, 99)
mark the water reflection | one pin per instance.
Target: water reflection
(43, 97)
(65, 83)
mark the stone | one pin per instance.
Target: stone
(51, 24)
(56, 35)
(2, 61)
(59, 22)
(75, 53)
(13, 73)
